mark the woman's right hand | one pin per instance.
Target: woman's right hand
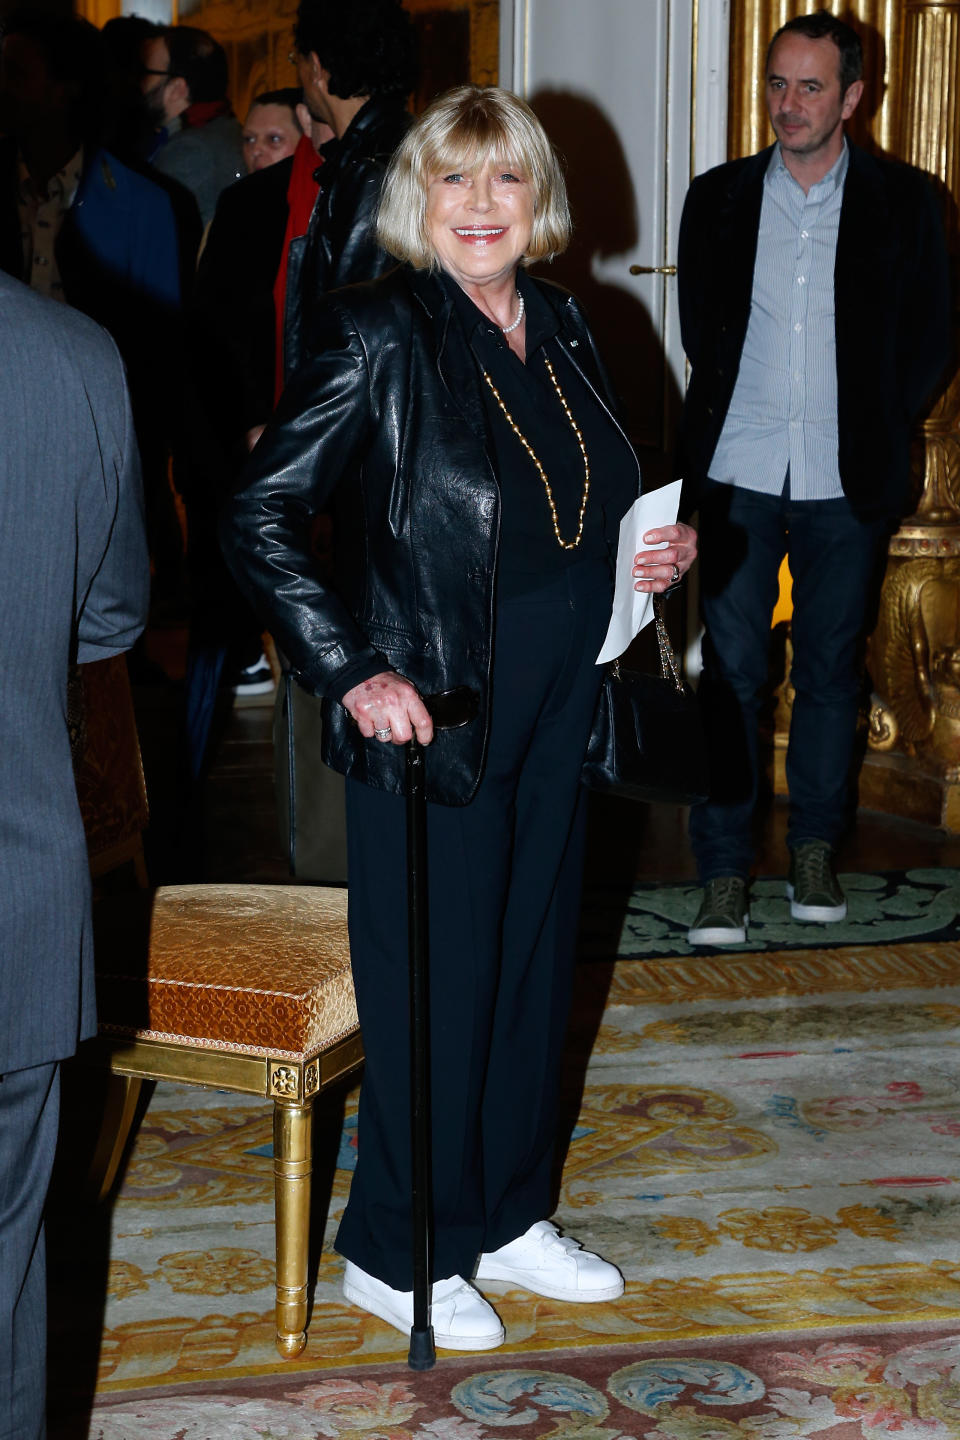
(387, 702)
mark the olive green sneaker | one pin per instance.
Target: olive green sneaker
(812, 886)
(722, 918)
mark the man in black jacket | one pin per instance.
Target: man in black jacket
(815, 313)
(357, 65)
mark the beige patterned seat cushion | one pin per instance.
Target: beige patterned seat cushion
(254, 969)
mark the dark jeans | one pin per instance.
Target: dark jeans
(504, 882)
(836, 562)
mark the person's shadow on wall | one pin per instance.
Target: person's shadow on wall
(608, 222)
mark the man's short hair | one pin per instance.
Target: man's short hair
(291, 97)
(821, 25)
(369, 47)
(197, 58)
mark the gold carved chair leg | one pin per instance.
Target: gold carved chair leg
(119, 1113)
(292, 1170)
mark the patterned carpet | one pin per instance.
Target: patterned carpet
(901, 1384)
(765, 1142)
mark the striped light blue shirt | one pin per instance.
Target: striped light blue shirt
(783, 412)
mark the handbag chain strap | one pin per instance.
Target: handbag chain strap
(669, 667)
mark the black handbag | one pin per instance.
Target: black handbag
(647, 739)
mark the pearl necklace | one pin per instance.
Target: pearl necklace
(509, 329)
(564, 544)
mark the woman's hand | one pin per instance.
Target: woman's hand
(657, 570)
(388, 708)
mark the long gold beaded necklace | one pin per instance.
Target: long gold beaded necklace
(564, 544)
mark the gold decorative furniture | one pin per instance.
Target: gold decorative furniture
(240, 987)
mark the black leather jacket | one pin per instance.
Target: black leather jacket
(340, 246)
(388, 414)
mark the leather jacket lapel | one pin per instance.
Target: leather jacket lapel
(455, 363)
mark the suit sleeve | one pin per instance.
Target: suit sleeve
(112, 542)
(317, 440)
(690, 273)
(925, 328)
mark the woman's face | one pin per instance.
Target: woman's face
(479, 222)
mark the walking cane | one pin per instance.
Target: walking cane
(449, 710)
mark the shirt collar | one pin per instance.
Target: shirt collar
(831, 182)
(542, 320)
(64, 185)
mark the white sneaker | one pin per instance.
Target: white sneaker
(548, 1263)
(461, 1318)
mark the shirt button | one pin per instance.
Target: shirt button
(797, 375)
(798, 327)
(801, 279)
(804, 234)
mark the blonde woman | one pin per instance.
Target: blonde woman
(456, 417)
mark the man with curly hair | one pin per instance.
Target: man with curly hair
(357, 64)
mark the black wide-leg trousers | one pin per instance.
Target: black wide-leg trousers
(504, 893)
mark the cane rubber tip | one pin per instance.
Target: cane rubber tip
(422, 1355)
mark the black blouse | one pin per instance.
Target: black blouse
(529, 554)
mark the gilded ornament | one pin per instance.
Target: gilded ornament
(915, 658)
(284, 1082)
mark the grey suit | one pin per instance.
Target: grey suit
(74, 583)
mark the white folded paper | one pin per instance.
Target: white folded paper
(632, 609)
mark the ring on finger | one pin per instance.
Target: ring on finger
(383, 734)
(674, 578)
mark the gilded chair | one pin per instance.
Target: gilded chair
(237, 987)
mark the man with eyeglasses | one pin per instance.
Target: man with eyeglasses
(199, 141)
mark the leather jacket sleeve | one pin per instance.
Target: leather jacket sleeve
(314, 444)
(354, 253)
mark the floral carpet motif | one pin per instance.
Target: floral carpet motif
(871, 1385)
(897, 905)
(765, 1142)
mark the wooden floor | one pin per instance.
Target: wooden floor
(228, 831)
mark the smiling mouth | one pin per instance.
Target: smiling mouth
(478, 233)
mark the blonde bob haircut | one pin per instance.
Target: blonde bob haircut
(464, 130)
